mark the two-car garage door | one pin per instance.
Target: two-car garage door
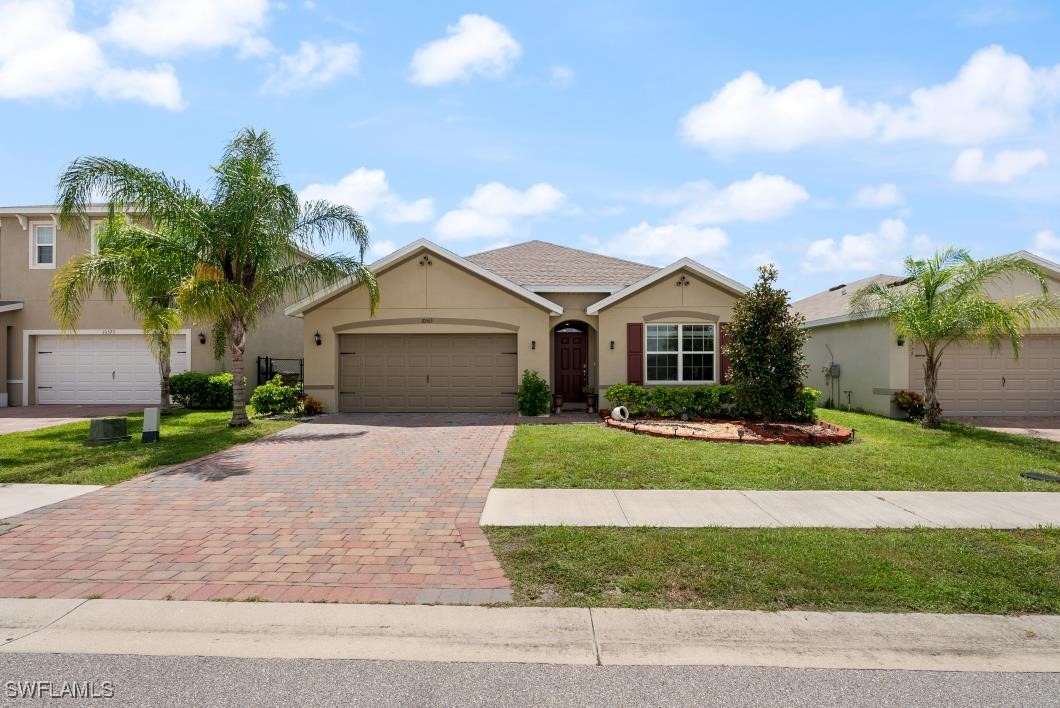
(101, 368)
(427, 372)
(974, 381)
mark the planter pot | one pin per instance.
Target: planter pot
(590, 402)
(557, 402)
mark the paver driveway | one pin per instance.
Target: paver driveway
(358, 508)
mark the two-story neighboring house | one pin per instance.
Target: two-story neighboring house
(106, 360)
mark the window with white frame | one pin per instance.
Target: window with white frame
(680, 353)
(42, 245)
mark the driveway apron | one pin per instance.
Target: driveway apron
(354, 508)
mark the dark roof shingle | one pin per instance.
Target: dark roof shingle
(542, 264)
(835, 302)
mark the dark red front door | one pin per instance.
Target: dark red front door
(572, 355)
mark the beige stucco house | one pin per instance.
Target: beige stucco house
(106, 360)
(860, 362)
(454, 333)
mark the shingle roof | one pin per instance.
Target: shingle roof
(538, 263)
(835, 302)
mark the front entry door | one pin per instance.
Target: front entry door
(572, 357)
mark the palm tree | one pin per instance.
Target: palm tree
(943, 300)
(249, 238)
(124, 261)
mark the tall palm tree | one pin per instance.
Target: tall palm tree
(124, 261)
(943, 300)
(250, 239)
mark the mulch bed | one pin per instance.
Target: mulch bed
(819, 433)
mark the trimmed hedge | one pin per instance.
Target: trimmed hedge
(533, 396)
(194, 389)
(696, 401)
(275, 397)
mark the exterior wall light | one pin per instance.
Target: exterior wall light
(901, 341)
(533, 344)
(202, 338)
(316, 338)
(612, 344)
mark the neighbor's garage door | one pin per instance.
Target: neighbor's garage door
(103, 368)
(974, 381)
(427, 372)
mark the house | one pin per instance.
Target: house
(454, 333)
(106, 360)
(860, 362)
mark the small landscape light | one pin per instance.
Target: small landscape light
(202, 337)
(740, 432)
(316, 338)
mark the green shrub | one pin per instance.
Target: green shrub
(195, 389)
(673, 401)
(804, 409)
(275, 397)
(911, 403)
(534, 396)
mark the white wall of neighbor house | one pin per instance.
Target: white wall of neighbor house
(426, 294)
(872, 364)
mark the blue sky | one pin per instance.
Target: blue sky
(831, 139)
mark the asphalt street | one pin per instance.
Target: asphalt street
(209, 681)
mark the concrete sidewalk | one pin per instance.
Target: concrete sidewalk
(532, 635)
(17, 499)
(752, 509)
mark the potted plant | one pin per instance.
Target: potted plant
(590, 398)
(557, 402)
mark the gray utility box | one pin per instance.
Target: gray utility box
(106, 431)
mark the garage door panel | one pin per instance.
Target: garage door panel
(427, 372)
(115, 368)
(977, 381)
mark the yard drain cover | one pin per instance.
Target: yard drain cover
(1040, 476)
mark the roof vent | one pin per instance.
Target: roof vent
(837, 287)
(898, 283)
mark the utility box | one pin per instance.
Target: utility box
(833, 370)
(107, 431)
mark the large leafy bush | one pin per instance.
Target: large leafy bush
(534, 396)
(275, 397)
(194, 389)
(766, 363)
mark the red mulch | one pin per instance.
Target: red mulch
(818, 433)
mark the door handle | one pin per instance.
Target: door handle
(1002, 382)
(113, 375)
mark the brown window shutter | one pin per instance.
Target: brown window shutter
(635, 353)
(723, 358)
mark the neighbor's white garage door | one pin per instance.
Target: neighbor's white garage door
(101, 368)
(974, 381)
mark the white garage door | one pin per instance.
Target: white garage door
(974, 381)
(101, 368)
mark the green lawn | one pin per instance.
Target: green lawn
(886, 455)
(909, 570)
(56, 454)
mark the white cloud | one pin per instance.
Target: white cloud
(562, 75)
(994, 95)
(476, 45)
(168, 27)
(973, 166)
(761, 198)
(42, 57)
(493, 207)
(312, 66)
(379, 249)
(877, 197)
(368, 192)
(666, 243)
(1047, 244)
(875, 251)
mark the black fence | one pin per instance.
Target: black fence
(292, 371)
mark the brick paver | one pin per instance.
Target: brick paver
(355, 508)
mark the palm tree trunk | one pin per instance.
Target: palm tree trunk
(932, 409)
(237, 342)
(164, 371)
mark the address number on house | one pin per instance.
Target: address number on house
(109, 331)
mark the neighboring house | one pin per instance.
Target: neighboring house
(871, 363)
(106, 360)
(454, 333)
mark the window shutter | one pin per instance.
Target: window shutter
(723, 358)
(635, 353)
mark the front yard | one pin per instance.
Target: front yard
(909, 570)
(56, 454)
(886, 455)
